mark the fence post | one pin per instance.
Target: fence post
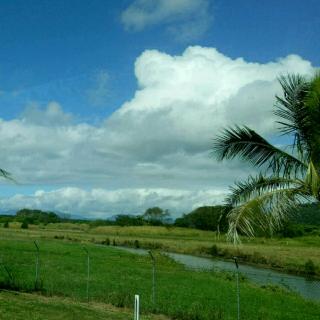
(153, 277)
(6, 270)
(136, 307)
(88, 271)
(238, 289)
(37, 263)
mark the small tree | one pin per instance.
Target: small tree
(156, 214)
(24, 224)
(6, 224)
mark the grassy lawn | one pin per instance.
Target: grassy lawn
(115, 276)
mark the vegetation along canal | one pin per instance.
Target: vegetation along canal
(306, 287)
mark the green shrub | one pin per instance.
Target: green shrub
(310, 268)
(24, 224)
(37, 216)
(106, 242)
(136, 244)
(292, 230)
(58, 237)
(214, 251)
(205, 218)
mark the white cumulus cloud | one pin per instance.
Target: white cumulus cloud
(183, 101)
(101, 203)
(158, 140)
(52, 115)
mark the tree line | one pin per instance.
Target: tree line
(305, 220)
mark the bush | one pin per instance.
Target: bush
(128, 220)
(58, 237)
(36, 216)
(205, 218)
(6, 224)
(24, 224)
(291, 230)
(213, 250)
(136, 244)
(310, 268)
(106, 242)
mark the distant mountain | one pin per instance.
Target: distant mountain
(7, 213)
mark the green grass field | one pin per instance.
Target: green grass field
(115, 276)
(290, 255)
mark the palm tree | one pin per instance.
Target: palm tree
(288, 176)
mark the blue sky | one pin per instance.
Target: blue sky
(51, 50)
(75, 65)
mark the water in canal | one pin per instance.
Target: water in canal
(308, 288)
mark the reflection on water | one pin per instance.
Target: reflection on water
(308, 288)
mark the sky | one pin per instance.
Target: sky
(110, 107)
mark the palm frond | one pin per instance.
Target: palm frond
(262, 202)
(248, 145)
(255, 186)
(312, 104)
(265, 212)
(312, 181)
(293, 112)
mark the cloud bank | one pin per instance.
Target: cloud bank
(158, 140)
(100, 203)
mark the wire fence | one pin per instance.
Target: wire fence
(106, 274)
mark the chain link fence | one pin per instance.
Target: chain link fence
(107, 274)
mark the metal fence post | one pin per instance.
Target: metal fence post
(7, 270)
(88, 271)
(136, 307)
(238, 289)
(37, 263)
(153, 277)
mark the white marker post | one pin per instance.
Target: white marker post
(136, 307)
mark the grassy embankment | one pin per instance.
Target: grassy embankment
(24, 306)
(290, 255)
(116, 276)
